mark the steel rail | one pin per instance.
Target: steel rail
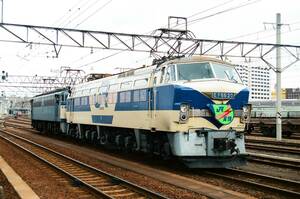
(231, 173)
(292, 137)
(274, 161)
(273, 142)
(273, 148)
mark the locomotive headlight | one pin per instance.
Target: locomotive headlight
(245, 118)
(184, 112)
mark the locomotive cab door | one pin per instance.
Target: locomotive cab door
(156, 80)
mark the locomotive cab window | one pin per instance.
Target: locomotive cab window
(192, 71)
(170, 74)
(226, 72)
(162, 74)
(157, 77)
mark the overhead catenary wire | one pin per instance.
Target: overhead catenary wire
(59, 20)
(224, 3)
(205, 10)
(211, 8)
(149, 32)
(79, 12)
(193, 21)
(84, 7)
(77, 4)
(96, 11)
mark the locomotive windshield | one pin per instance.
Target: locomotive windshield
(206, 70)
(194, 71)
(226, 72)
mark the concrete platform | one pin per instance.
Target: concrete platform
(20, 186)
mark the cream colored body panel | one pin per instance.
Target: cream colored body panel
(161, 121)
(62, 112)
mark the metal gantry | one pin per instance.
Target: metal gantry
(37, 84)
(169, 41)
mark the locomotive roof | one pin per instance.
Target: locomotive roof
(195, 59)
(133, 74)
(51, 92)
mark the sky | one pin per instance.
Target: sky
(209, 19)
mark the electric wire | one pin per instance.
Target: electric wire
(211, 8)
(201, 12)
(191, 22)
(81, 12)
(96, 11)
(78, 3)
(68, 11)
(78, 12)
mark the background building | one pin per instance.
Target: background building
(292, 93)
(257, 79)
(283, 94)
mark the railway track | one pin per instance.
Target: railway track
(13, 124)
(294, 136)
(273, 148)
(274, 161)
(19, 122)
(283, 187)
(99, 182)
(273, 142)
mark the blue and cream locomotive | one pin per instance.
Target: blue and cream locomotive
(192, 108)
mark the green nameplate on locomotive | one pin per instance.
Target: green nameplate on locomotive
(223, 113)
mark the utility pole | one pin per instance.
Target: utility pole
(278, 70)
(278, 79)
(2, 8)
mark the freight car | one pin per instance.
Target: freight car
(192, 108)
(263, 117)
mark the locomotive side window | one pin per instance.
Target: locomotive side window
(125, 97)
(140, 95)
(136, 96)
(84, 101)
(77, 102)
(128, 96)
(143, 95)
(37, 103)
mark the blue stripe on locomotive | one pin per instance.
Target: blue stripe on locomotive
(171, 96)
(104, 119)
(82, 108)
(168, 97)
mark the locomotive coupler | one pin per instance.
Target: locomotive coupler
(223, 144)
